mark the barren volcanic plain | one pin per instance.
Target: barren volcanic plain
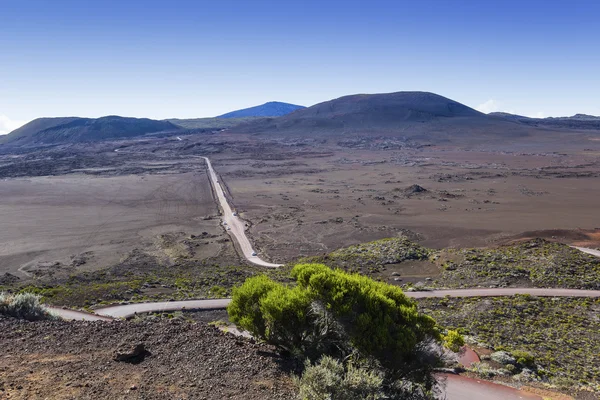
(90, 218)
(88, 206)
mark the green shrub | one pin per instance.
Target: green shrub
(524, 358)
(218, 291)
(378, 318)
(244, 309)
(286, 312)
(453, 341)
(24, 306)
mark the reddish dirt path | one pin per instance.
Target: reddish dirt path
(463, 388)
(468, 356)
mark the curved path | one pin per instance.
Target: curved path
(128, 310)
(74, 315)
(593, 252)
(234, 224)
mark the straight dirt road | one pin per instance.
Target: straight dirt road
(233, 224)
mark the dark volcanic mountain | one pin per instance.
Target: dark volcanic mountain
(409, 114)
(44, 131)
(577, 121)
(270, 109)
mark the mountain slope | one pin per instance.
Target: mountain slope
(211, 123)
(400, 113)
(577, 121)
(270, 109)
(73, 129)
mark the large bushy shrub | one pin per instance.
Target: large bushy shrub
(379, 319)
(345, 316)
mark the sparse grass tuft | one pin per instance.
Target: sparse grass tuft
(24, 306)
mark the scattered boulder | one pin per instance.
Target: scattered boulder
(526, 375)
(130, 353)
(503, 358)
(414, 189)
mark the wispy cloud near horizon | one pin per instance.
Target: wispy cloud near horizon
(8, 125)
(489, 106)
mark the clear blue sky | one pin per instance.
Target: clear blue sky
(163, 59)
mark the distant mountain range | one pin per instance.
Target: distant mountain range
(412, 115)
(270, 109)
(44, 131)
(577, 121)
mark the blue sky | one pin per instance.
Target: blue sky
(162, 59)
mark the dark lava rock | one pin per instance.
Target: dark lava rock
(8, 279)
(415, 189)
(129, 353)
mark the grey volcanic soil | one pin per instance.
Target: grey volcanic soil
(77, 208)
(67, 360)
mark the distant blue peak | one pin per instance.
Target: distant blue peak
(270, 109)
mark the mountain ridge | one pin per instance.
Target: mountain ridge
(577, 121)
(46, 131)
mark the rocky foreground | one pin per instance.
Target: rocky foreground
(129, 360)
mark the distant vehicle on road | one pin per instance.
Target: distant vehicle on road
(253, 254)
(235, 214)
(228, 228)
(224, 223)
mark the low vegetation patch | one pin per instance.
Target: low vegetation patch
(373, 256)
(329, 379)
(24, 306)
(534, 263)
(537, 262)
(178, 282)
(554, 340)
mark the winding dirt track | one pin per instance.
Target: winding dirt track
(129, 310)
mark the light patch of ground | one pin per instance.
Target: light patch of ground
(82, 222)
